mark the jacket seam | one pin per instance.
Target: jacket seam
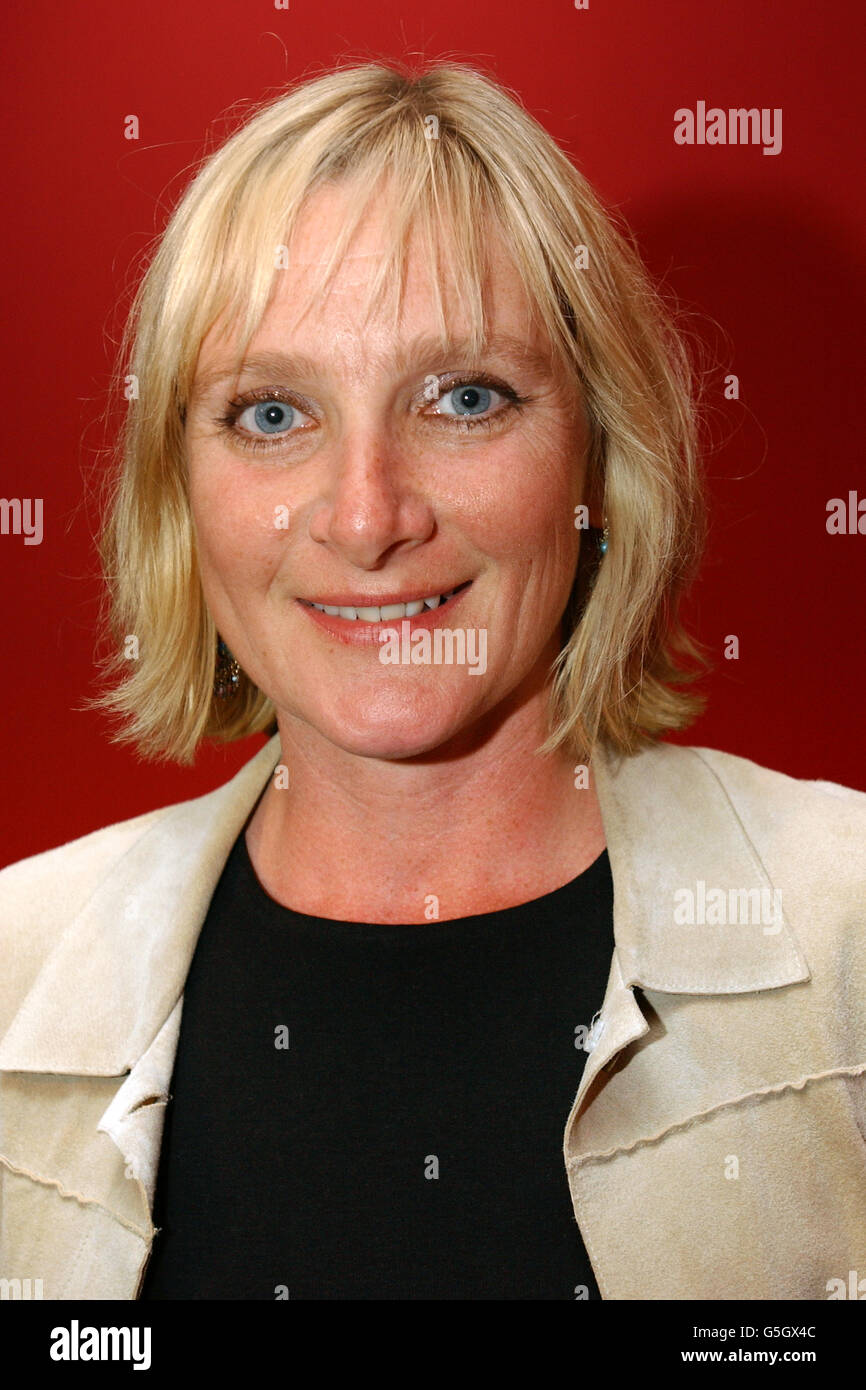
(605, 1154)
(705, 987)
(758, 861)
(76, 1196)
(589, 1245)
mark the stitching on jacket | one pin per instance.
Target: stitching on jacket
(601, 1281)
(69, 1281)
(756, 858)
(705, 987)
(76, 1196)
(714, 1110)
(759, 863)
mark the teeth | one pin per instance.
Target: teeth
(388, 612)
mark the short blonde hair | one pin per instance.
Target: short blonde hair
(617, 677)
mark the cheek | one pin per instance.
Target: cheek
(524, 514)
(239, 528)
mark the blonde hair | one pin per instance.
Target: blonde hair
(454, 147)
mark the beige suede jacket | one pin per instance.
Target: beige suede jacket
(716, 1147)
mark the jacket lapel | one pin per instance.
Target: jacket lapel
(670, 827)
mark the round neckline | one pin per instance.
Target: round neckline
(299, 918)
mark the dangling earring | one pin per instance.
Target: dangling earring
(603, 538)
(227, 676)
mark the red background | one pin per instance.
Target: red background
(765, 254)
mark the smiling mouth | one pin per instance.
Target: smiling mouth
(386, 612)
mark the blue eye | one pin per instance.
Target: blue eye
(265, 423)
(467, 399)
(270, 417)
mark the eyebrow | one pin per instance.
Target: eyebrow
(421, 351)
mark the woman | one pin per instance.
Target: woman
(410, 482)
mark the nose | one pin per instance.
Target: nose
(370, 507)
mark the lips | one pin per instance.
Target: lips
(347, 623)
(389, 610)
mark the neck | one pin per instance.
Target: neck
(484, 823)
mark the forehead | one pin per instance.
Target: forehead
(362, 306)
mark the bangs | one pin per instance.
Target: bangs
(440, 203)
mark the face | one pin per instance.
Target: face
(355, 474)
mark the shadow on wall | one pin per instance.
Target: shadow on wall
(776, 294)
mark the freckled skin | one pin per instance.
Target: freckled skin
(386, 492)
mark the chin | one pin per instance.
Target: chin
(399, 723)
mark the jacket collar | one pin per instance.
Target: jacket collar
(668, 821)
(674, 834)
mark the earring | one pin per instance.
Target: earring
(227, 676)
(603, 538)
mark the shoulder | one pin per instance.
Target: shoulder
(700, 808)
(697, 782)
(780, 809)
(76, 864)
(66, 875)
(42, 896)
(810, 837)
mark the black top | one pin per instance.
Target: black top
(377, 1112)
